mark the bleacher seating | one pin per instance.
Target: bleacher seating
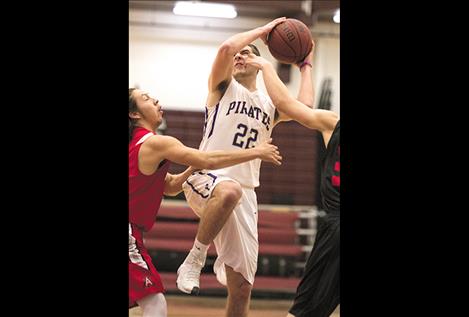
(282, 251)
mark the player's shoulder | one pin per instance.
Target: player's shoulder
(266, 100)
(337, 125)
(265, 96)
(158, 141)
(234, 85)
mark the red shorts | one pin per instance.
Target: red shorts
(143, 277)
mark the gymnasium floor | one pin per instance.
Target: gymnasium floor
(202, 306)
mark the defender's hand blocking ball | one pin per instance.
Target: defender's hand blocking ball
(290, 41)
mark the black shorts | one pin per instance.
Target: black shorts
(318, 293)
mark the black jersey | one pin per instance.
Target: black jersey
(330, 176)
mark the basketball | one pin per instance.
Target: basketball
(290, 41)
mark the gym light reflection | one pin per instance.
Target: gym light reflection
(213, 10)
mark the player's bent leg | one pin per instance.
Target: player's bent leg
(154, 305)
(224, 198)
(290, 315)
(239, 294)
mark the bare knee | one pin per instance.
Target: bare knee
(242, 293)
(153, 305)
(229, 192)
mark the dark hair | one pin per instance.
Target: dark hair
(132, 108)
(255, 50)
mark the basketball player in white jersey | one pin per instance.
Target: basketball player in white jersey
(238, 116)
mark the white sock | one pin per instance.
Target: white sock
(199, 248)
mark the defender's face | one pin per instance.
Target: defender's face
(149, 107)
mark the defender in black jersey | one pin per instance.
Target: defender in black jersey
(318, 292)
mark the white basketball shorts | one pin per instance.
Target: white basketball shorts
(237, 242)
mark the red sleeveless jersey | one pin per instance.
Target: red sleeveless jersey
(145, 192)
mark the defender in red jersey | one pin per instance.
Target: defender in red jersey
(149, 180)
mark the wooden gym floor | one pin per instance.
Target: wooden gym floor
(202, 306)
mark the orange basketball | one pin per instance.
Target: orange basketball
(290, 41)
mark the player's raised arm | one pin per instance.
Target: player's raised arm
(222, 68)
(306, 93)
(318, 119)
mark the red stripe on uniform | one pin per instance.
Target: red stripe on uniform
(336, 181)
(337, 167)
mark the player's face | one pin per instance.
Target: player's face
(239, 63)
(149, 107)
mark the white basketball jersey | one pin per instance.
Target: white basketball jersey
(241, 120)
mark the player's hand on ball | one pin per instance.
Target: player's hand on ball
(268, 27)
(309, 57)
